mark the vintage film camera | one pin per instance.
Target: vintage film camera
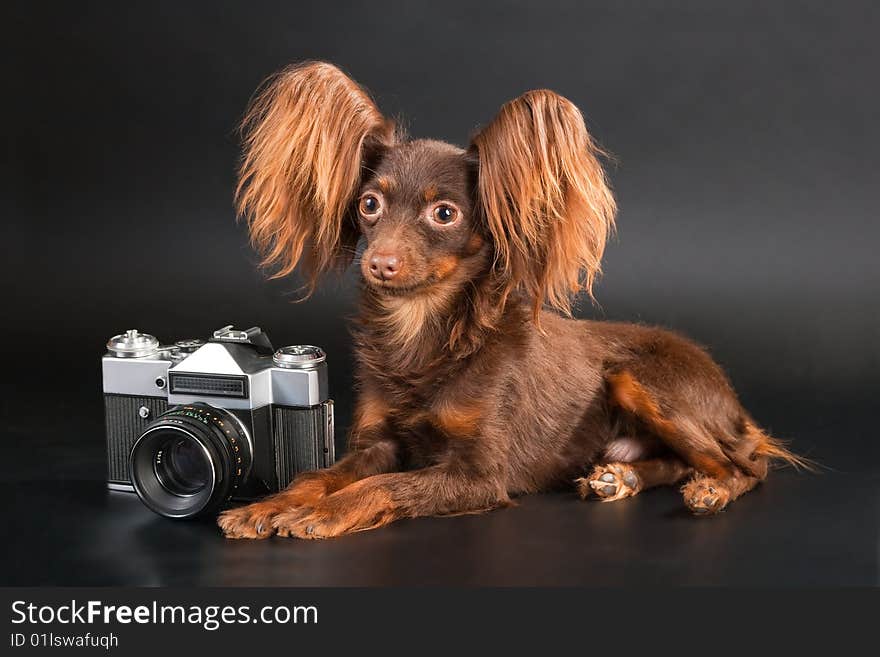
(193, 425)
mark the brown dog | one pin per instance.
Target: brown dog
(470, 392)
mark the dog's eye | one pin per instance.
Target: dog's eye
(445, 214)
(369, 205)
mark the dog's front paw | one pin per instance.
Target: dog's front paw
(308, 524)
(317, 523)
(251, 521)
(360, 507)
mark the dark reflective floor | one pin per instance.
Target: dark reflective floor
(62, 527)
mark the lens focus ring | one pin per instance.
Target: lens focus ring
(190, 460)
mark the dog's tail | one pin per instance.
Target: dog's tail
(775, 450)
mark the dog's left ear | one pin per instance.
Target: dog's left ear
(544, 197)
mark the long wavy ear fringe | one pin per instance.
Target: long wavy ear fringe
(545, 198)
(306, 136)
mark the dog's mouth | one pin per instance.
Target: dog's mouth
(394, 288)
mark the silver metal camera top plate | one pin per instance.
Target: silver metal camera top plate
(299, 357)
(132, 344)
(143, 377)
(300, 386)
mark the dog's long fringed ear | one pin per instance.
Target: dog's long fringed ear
(306, 135)
(545, 198)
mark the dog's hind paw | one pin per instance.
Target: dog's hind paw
(612, 481)
(705, 496)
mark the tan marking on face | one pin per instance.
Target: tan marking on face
(474, 244)
(445, 266)
(430, 193)
(385, 184)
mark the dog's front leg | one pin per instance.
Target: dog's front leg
(379, 500)
(306, 491)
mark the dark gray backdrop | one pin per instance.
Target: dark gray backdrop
(745, 136)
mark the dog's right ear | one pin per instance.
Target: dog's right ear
(307, 134)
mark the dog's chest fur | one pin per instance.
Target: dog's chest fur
(436, 399)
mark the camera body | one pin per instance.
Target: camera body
(195, 424)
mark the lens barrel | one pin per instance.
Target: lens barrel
(190, 460)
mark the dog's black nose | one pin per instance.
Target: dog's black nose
(384, 267)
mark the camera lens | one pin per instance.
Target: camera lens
(182, 466)
(190, 460)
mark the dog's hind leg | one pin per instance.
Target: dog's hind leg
(616, 481)
(699, 420)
